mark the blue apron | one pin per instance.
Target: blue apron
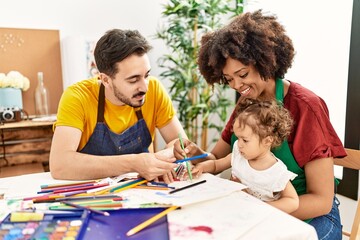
(103, 141)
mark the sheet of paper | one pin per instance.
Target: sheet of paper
(214, 187)
(229, 221)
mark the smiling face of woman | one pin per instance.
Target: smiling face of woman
(246, 80)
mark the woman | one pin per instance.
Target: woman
(252, 55)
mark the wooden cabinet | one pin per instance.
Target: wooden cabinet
(25, 142)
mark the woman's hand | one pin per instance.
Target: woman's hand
(190, 149)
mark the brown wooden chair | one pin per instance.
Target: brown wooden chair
(352, 160)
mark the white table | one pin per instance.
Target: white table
(235, 216)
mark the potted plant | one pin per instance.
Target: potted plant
(11, 85)
(186, 21)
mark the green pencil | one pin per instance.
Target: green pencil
(187, 163)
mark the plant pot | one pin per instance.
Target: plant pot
(11, 98)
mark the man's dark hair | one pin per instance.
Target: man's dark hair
(115, 46)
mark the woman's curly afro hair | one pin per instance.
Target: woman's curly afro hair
(251, 38)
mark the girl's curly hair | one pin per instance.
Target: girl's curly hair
(265, 118)
(251, 38)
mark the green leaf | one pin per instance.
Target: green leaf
(183, 20)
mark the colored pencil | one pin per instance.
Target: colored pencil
(187, 163)
(151, 220)
(92, 205)
(37, 196)
(131, 184)
(187, 186)
(81, 188)
(66, 184)
(152, 187)
(192, 158)
(85, 208)
(159, 184)
(91, 198)
(67, 187)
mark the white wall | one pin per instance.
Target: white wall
(84, 19)
(321, 34)
(320, 30)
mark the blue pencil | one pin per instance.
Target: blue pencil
(159, 184)
(192, 158)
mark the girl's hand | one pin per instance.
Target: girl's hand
(200, 168)
(235, 179)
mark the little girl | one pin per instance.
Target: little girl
(259, 127)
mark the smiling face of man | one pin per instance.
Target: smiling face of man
(130, 83)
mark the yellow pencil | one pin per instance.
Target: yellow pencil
(152, 187)
(151, 220)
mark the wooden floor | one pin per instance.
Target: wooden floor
(21, 169)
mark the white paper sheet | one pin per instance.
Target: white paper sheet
(214, 187)
(223, 218)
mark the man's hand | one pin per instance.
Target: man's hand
(150, 167)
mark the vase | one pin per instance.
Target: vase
(11, 98)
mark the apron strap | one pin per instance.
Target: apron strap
(279, 91)
(139, 114)
(101, 104)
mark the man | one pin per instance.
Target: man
(105, 125)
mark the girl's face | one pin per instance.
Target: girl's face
(244, 79)
(249, 143)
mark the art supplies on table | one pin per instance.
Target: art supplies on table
(35, 225)
(88, 225)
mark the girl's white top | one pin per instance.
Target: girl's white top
(264, 184)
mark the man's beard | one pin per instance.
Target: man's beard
(126, 100)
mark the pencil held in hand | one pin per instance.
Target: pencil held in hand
(182, 144)
(187, 163)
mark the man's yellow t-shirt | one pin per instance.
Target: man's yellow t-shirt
(78, 108)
